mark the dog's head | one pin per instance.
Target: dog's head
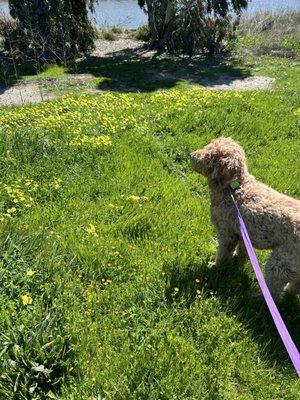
(221, 161)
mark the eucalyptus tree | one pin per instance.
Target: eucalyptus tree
(191, 26)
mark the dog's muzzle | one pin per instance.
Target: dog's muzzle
(195, 158)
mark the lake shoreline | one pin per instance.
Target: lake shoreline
(129, 15)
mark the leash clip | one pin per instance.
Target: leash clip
(235, 184)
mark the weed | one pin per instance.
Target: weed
(109, 34)
(141, 33)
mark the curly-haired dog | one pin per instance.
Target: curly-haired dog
(272, 219)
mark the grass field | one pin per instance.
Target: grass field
(106, 290)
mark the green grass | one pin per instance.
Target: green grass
(106, 289)
(53, 71)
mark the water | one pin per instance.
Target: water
(128, 14)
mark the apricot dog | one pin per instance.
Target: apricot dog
(272, 219)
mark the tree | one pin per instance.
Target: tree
(56, 30)
(191, 26)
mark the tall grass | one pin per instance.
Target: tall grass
(270, 33)
(278, 24)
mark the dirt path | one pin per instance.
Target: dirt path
(224, 82)
(25, 92)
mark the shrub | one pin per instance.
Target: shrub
(117, 29)
(142, 33)
(109, 34)
(46, 31)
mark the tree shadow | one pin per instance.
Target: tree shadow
(14, 90)
(11, 71)
(11, 75)
(134, 70)
(231, 283)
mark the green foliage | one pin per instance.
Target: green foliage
(56, 30)
(117, 29)
(35, 361)
(270, 34)
(191, 26)
(36, 355)
(111, 33)
(105, 276)
(108, 34)
(142, 33)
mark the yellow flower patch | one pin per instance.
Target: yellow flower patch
(101, 113)
(17, 196)
(91, 141)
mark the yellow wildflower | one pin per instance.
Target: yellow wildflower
(297, 112)
(26, 299)
(11, 210)
(113, 206)
(106, 281)
(133, 198)
(91, 230)
(55, 184)
(30, 272)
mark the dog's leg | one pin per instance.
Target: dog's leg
(225, 249)
(241, 251)
(277, 274)
(293, 287)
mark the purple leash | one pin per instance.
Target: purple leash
(282, 330)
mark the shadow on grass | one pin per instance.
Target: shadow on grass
(10, 73)
(232, 285)
(136, 70)
(133, 71)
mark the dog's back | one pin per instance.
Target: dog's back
(273, 218)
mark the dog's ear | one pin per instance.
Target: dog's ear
(226, 168)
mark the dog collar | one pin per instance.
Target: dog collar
(235, 184)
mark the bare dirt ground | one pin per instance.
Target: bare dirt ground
(25, 92)
(106, 48)
(224, 82)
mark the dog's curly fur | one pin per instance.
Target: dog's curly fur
(272, 219)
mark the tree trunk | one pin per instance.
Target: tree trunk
(167, 25)
(151, 20)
